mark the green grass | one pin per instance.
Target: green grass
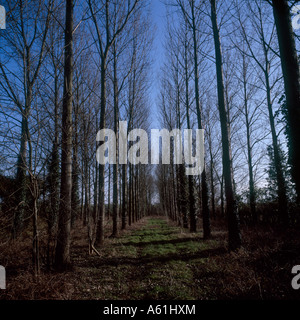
(146, 264)
(160, 272)
(154, 259)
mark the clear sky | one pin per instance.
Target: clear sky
(159, 19)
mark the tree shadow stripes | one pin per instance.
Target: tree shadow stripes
(159, 259)
(158, 242)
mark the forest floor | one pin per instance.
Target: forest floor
(155, 259)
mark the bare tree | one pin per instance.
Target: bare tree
(232, 214)
(105, 38)
(28, 52)
(290, 70)
(189, 9)
(265, 66)
(62, 254)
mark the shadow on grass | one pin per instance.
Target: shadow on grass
(158, 242)
(119, 261)
(155, 232)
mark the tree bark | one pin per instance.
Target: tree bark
(75, 165)
(62, 254)
(234, 236)
(204, 189)
(124, 196)
(101, 204)
(54, 179)
(115, 166)
(290, 70)
(18, 222)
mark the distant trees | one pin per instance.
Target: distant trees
(250, 40)
(56, 179)
(266, 61)
(106, 37)
(179, 101)
(250, 118)
(69, 70)
(189, 12)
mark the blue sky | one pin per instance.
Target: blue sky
(159, 19)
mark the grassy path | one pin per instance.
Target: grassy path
(157, 261)
(154, 259)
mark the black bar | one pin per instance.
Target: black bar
(55, 310)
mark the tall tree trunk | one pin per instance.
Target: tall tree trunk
(53, 179)
(21, 197)
(35, 244)
(108, 211)
(101, 204)
(124, 196)
(222, 196)
(182, 181)
(82, 198)
(115, 166)
(133, 195)
(212, 185)
(93, 221)
(130, 195)
(136, 193)
(204, 189)
(182, 196)
(35, 195)
(234, 236)
(281, 184)
(191, 192)
(75, 166)
(290, 70)
(95, 209)
(192, 209)
(174, 202)
(85, 177)
(62, 254)
(252, 199)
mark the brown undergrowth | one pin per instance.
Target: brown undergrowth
(156, 259)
